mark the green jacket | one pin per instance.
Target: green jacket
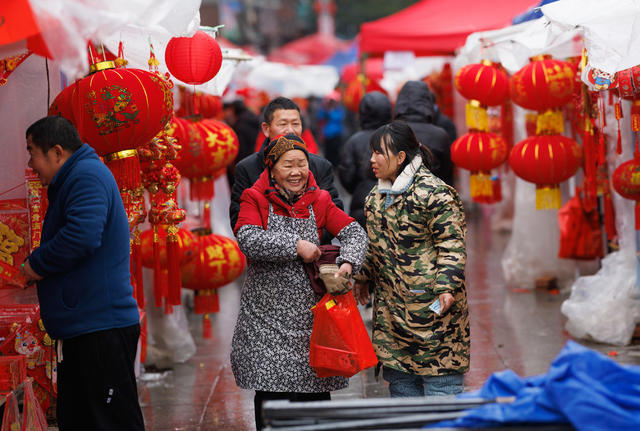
(417, 251)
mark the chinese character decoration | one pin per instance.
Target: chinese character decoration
(38, 203)
(219, 261)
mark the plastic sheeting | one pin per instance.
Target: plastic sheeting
(610, 29)
(532, 251)
(66, 25)
(582, 387)
(605, 307)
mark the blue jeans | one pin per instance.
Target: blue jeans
(403, 384)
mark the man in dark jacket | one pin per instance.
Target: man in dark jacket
(354, 170)
(246, 125)
(415, 105)
(82, 272)
(281, 116)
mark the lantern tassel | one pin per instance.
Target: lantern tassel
(481, 186)
(173, 265)
(609, 217)
(618, 112)
(137, 258)
(548, 197)
(157, 268)
(206, 327)
(497, 188)
(125, 167)
(206, 215)
(201, 189)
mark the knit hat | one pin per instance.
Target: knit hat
(280, 145)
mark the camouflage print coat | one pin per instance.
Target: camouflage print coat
(417, 251)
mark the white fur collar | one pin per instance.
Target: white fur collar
(403, 180)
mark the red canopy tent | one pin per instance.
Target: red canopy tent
(313, 49)
(437, 27)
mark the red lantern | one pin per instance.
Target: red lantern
(220, 262)
(193, 60)
(544, 83)
(480, 152)
(207, 146)
(116, 111)
(208, 106)
(483, 82)
(626, 181)
(546, 160)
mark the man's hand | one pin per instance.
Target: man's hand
(28, 272)
(361, 292)
(308, 251)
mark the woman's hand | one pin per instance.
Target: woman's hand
(308, 251)
(446, 301)
(345, 270)
(361, 292)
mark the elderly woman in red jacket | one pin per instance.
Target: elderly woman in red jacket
(279, 226)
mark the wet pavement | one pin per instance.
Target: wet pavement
(510, 328)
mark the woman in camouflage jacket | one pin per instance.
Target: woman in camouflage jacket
(416, 227)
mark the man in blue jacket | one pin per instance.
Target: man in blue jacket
(82, 274)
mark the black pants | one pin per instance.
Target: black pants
(262, 396)
(96, 382)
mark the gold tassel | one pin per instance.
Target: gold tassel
(548, 197)
(476, 116)
(480, 185)
(550, 122)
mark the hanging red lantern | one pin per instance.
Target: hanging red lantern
(193, 60)
(626, 181)
(546, 160)
(209, 106)
(207, 146)
(484, 82)
(480, 152)
(544, 83)
(219, 262)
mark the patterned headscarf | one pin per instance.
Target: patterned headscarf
(280, 145)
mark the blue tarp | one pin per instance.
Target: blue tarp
(582, 387)
(533, 13)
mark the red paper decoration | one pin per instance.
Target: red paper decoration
(542, 84)
(193, 60)
(483, 82)
(546, 160)
(480, 152)
(626, 181)
(219, 262)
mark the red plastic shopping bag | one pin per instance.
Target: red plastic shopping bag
(340, 343)
(11, 416)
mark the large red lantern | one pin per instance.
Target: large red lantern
(544, 83)
(546, 160)
(193, 60)
(207, 147)
(219, 262)
(626, 181)
(116, 111)
(480, 152)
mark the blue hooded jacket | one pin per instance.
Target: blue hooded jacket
(84, 252)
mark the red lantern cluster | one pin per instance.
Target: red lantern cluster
(219, 262)
(193, 60)
(480, 151)
(547, 158)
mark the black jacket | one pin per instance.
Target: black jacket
(249, 169)
(445, 122)
(374, 111)
(415, 105)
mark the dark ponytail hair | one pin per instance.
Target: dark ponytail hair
(398, 136)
